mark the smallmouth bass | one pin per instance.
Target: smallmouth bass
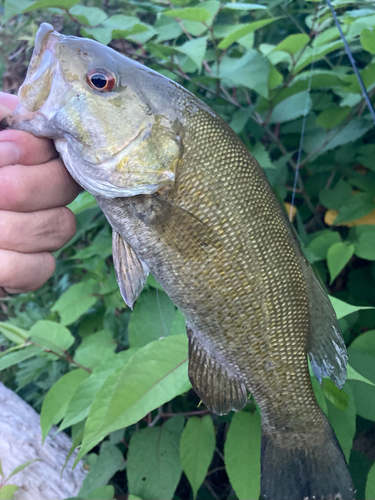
(188, 202)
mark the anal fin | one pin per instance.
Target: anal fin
(217, 388)
(131, 273)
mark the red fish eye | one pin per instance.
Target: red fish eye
(101, 80)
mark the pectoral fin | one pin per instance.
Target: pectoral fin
(220, 391)
(326, 347)
(131, 273)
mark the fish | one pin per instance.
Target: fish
(188, 202)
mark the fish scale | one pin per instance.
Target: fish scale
(187, 201)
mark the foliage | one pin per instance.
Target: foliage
(75, 351)
(7, 490)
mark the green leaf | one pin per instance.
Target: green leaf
(261, 155)
(370, 484)
(7, 491)
(75, 302)
(195, 49)
(93, 348)
(15, 7)
(344, 423)
(13, 333)
(342, 309)
(332, 117)
(293, 43)
(109, 461)
(365, 342)
(14, 358)
(1, 469)
(103, 493)
(240, 118)
(153, 465)
(243, 31)
(51, 335)
(58, 397)
(364, 394)
(154, 375)
(102, 35)
(291, 108)
(84, 201)
(244, 6)
(358, 206)
(242, 454)
(367, 39)
(336, 396)
(91, 16)
(23, 466)
(365, 246)
(354, 375)
(338, 256)
(151, 319)
(189, 14)
(323, 242)
(336, 197)
(45, 4)
(197, 448)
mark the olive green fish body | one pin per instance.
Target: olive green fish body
(188, 202)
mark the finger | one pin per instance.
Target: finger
(17, 146)
(28, 189)
(43, 231)
(8, 103)
(23, 272)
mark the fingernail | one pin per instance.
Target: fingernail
(9, 153)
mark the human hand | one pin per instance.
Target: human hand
(34, 189)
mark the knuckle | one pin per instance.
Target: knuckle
(6, 231)
(13, 194)
(65, 226)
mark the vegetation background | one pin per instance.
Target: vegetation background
(73, 349)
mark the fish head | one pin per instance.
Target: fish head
(105, 113)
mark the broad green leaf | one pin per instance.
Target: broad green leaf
(94, 347)
(45, 4)
(102, 35)
(319, 396)
(323, 242)
(154, 375)
(84, 201)
(7, 491)
(242, 454)
(344, 423)
(153, 461)
(365, 342)
(23, 466)
(364, 247)
(197, 447)
(356, 207)
(151, 319)
(243, 31)
(293, 43)
(16, 357)
(338, 256)
(337, 397)
(240, 118)
(91, 16)
(370, 484)
(189, 14)
(15, 7)
(178, 326)
(244, 6)
(291, 108)
(261, 155)
(13, 333)
(75, 302)
(103, 493)
(316, 54)
(364, 394)
(109, 461)
(330, 118)
(342, 309)
(274, 78)
(368, 42)
(51, 336)
(195, 49)
(354, 375)
(336, 197)
(58, 397)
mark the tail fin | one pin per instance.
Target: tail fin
(317, 472)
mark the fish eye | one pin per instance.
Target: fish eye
(101, 79)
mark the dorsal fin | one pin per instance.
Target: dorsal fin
(217, 388)
(131, 273)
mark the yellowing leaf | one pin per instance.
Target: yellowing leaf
(288, 207)
(331, 215)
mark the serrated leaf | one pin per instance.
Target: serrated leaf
(242, 454)
(243, 31)
(197, 447)
(343, 309)
(75, 302)
(13, 333)
(153, 461)
(94, 348)
(154, 375)
(367, 39)
(291, 108)
(51, 335)
(91, 16)
(331, 117)
(58, 397)
(338, 256)
(189, 14)
(261, 155)
(293, 43)
(16, 357)
(7, 491)
(23, 466)
(195, 49)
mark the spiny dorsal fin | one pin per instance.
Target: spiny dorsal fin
(326, 347)
(131, 273)
(216, 387)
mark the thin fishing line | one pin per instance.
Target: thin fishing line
(352, 61)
